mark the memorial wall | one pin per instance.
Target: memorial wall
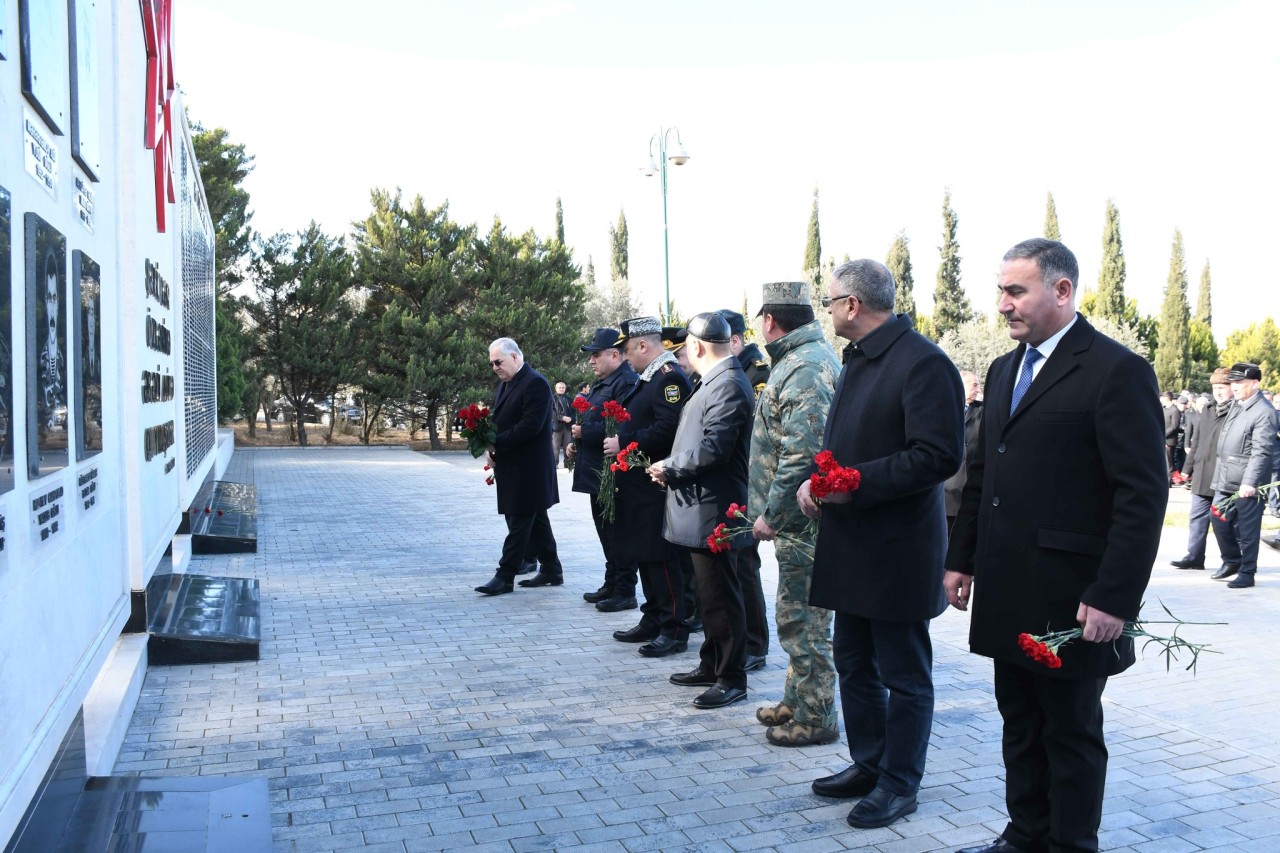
(107, 379)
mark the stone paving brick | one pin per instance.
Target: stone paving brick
(394, 709)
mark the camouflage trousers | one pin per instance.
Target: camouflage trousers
(804, 633)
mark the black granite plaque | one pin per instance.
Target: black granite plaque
(86, 310)
(46, 266)
(224, 518)
(203, 619)
(6, 342)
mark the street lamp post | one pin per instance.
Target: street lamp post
(679, 156)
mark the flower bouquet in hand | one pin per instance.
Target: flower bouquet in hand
(832, 478)
(614, 414)
(1043, 648)
(477, 429)
(630, 457)
(721, 539)
(1220, 510)
(580, 408)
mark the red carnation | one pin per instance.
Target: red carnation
(581, 404)
(615, 410)
(826, 461)
(717, 541)
(736, 511)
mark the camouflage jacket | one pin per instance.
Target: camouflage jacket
(790, 416)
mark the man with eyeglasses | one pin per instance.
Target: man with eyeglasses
(897, 417)
(524, 470)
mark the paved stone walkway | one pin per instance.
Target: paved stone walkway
(394, 709)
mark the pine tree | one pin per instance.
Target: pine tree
(1111, 302)
(950, 303)
(559, 221)
(1051, 230)
(1204, 301)
(619, 262)
(899, 263)
(1173, 355)
(813, 247)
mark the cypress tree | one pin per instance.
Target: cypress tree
(1173, 354)
(1204, 301)
(813, 247)
(618, 258)
(559, 221)
(950, 303)
(1110, 302)
(1051, 230)
(899, 263)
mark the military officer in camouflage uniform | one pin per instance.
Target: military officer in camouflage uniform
(790, 416)
(757, 370)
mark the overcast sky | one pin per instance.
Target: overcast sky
(498, 106)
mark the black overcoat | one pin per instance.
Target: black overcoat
(524, 461)
(1065, 501)
(898, 417)
(590, 455)
(654, 405)
(707, 468)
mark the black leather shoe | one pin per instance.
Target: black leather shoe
(599, 595)
(1186, 563)
(617, 603)
(716, 696)
(853, 781)
(661, 646)
(694, 678)
(997, 846)
(1241, 582)
(880, 808)
(543, 579)
(527, 568)
(497, 586)
(639, 634)
(694, 624)
(1273, 542)
(1227, 570)
(753, 662)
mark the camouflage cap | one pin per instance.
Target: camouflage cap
(785, 293)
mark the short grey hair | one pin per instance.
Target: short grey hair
(507, 347)
(1055, 260)
(870, 281)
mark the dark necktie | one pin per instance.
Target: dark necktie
(1024, 378)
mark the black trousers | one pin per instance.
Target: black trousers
(619, 575)
(663, 607)
(1055, 759)
(1243, 526)
(886, 696)
(529, 536)
(753, 600)
(724, 640)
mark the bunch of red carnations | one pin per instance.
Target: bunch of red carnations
(477, 429)
(832, 477)
(613, 413)
(1043, 648)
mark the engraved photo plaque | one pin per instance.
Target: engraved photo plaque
(46, 266)
(86, 321)
(43, 24)
(86, 133)
(6, 340)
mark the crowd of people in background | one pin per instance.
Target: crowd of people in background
(711, 447)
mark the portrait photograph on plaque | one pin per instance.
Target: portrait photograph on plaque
(86, 134)
(86, 361)
(45, 82)
(6, 339)
(46, 267)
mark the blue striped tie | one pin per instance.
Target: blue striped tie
(1024, 378)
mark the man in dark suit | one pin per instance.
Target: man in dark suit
(972, 421)
(524, 469)
(614, 377)
(707, 471)
(654, 404)
(897, 416)
(1059, 526)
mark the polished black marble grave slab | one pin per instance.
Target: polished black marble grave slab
(203, 619)
(223, 518)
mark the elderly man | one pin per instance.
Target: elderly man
(524, 469)
(562, 420)
(790, 414)
(654, 404)
(1070, 546)
(1201, 464)
(897, 417)
(1244, 463)
(705, 473)
(614, 378)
